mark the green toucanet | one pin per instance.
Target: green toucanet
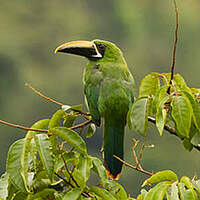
(109, 91)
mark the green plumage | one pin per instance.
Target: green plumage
(108, 87)
(109, 90)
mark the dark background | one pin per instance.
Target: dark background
(144, 30)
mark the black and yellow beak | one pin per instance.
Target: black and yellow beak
(82, 48)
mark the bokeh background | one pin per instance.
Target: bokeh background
(144, 30)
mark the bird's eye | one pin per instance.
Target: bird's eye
(101, 48)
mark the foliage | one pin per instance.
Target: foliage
(177, 109)
(55, 165)
(51, 161)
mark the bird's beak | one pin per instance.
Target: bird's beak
(81, 48)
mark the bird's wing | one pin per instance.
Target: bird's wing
(92, 96)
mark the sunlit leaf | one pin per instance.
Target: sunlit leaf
(166, 175)
(77, 107)
(184, 193)
(172, 193)
(195, 108)
(28, 149)
(149, 85)
(4, 186)
(71, 137)
(90, 130)
(84, 166)
(69, 157)
(181, 113)
(116, 190)
(161, 114)
(44, 149)
(13, 166)
(73, 194)
(45, 194)
(158, 192)
(56, 118)
(55, 122)
(66, 107)
(69, 120)
(104, 194)
(99, 169)
(137, 117)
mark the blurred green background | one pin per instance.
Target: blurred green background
(144, 30)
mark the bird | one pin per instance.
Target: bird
(109, 91)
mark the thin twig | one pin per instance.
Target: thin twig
(22, 127)
(42, 130)
(67, 182)
(174, 48)
(43, 96)
(135, 155)
(69, 171)
(85, 194)
(85, 114)
(134, 167)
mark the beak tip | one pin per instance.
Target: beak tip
(56, 50)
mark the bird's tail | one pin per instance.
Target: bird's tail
(113, 145)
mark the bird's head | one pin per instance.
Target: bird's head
(96, 50)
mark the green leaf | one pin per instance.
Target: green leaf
(55, 122)
(45, 194)
(69, 120)
(186, 194)
(180, 83)
(73, 194)
(77, 108)
(137, 117)
(66, 107)
(160, 94)
(56, 118)
(69, 157)
(84, 166)
(79, 177)
(187, 144)
(19, 196)
(13, 166)
(188, 183)
(4, 186)
(158, 192)
(195, 108)
(181, 113)
(172, 193)
(99, 168)
(194, 135)
(116, 190)
(41, 181)
(149, 85)
(104, 194)
(71, 137)
(161, 114)
(27, 152)
(90, 130)
(166, 175)
(44, 149)
(196, 185)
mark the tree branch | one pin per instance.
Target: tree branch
(42, 130)
(171, 130)
(174, 48)
(134, 167)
